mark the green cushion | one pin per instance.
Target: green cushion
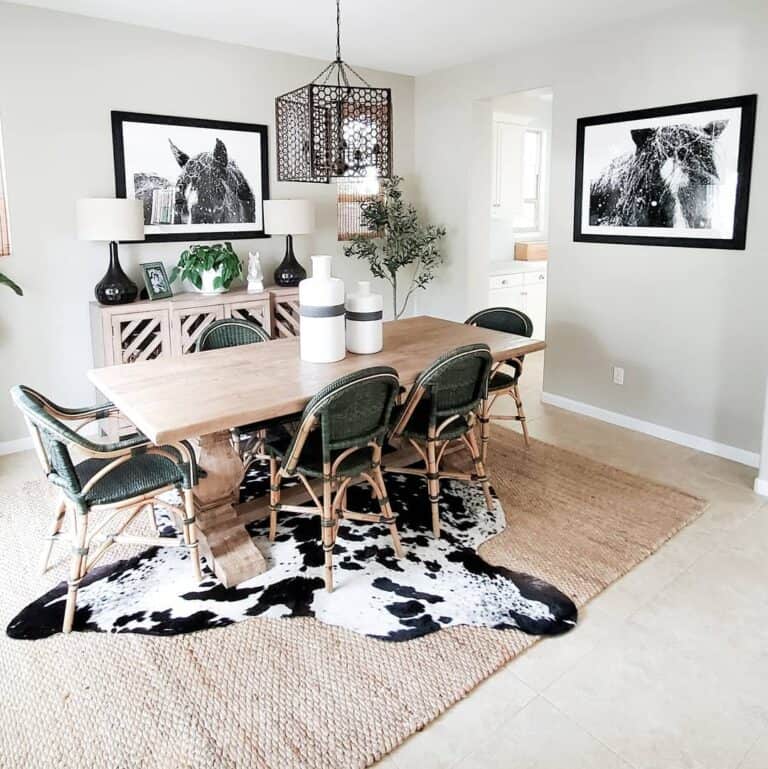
(418, 424)
(140, 475)
(311, 460)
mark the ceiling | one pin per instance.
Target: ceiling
(407, 36)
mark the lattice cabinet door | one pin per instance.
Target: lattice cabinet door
(140, 336)
(254, 310)
(285, 313)
(189, 322)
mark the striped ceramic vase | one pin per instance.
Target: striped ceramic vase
(321, 310)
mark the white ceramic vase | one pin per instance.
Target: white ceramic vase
(321, 311)
(364, 313)
(207, 277)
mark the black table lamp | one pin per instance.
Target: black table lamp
(112, 220)
(289, 218)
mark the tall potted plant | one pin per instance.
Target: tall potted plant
(406, 253)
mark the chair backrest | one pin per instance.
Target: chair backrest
(230, 332)
(453, 385)
(351, 412)
(51, 436)
(505, 319)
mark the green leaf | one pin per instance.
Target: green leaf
(15, 287)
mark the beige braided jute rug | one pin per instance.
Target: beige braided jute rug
(294, 693)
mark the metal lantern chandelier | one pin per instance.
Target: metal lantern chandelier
(331, 128)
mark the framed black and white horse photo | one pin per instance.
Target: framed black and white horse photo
(198, 179)
(671, 176)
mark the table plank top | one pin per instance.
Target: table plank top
(169, 399)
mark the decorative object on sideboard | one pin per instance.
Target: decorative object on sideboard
(156, 281)
(111, 220)
(531, 251)
(671, 176)
(255, 273)
(331, 128)
(364, 320)
(405, 243)
(321, 309)
(209, 268)
(289, 218)
(196, 179)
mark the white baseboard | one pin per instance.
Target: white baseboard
(706, 445)
(761, 486)
(11, 447)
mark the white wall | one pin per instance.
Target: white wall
(60, 75)
(689, 325)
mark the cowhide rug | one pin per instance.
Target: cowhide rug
(438, 583)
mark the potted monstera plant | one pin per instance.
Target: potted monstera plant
(6, 281)
(209, 268)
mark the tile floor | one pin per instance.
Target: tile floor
(667, 668)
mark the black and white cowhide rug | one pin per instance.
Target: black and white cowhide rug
(437, 584)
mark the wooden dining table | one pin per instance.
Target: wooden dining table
(201, 397)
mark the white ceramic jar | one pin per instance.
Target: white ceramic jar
(321, 311)
(364, 313)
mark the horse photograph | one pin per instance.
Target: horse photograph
(197, 179)
(667, 176)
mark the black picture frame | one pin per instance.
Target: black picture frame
(748, 106)
(152, 293)
(119, 119)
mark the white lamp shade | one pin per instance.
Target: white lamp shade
(289, 217)
(110, 219)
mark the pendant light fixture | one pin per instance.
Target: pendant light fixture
(336, 126)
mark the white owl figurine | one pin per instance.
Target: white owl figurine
(255, 273)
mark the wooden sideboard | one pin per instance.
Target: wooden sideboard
(144, 330)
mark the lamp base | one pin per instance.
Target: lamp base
(115, 287)
(289, 272)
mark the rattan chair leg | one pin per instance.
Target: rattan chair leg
(190, 534)
(274, 497)
(433, 482)
(477, 460)
(485, 428)
(521, 414)
(386, 509)
(61, 511)
(76, 568)
(327, 525)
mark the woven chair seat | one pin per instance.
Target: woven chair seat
(140, 475)
(501, 381)
(311, 462)
(418, 424)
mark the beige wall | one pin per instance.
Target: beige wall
(60, 75)
(690, 326)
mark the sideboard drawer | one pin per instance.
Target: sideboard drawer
(189, 322)
(506, 281)
(139, 336)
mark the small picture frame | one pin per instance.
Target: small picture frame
(156, 280)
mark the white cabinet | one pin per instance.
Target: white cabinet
(526, 291)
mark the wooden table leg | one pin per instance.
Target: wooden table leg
(223, 538)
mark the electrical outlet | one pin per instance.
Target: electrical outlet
(618, 375)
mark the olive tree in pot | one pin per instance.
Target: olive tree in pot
(404, 251)
(209, 268)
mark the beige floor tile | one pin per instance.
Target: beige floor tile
(659, 704)
(19, 467)
(723, 469)
(467, 724)
(540, 737)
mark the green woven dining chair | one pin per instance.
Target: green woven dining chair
(441, 408)
(116, 481)
(234, 332)
(505, 376)
(339, 440)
